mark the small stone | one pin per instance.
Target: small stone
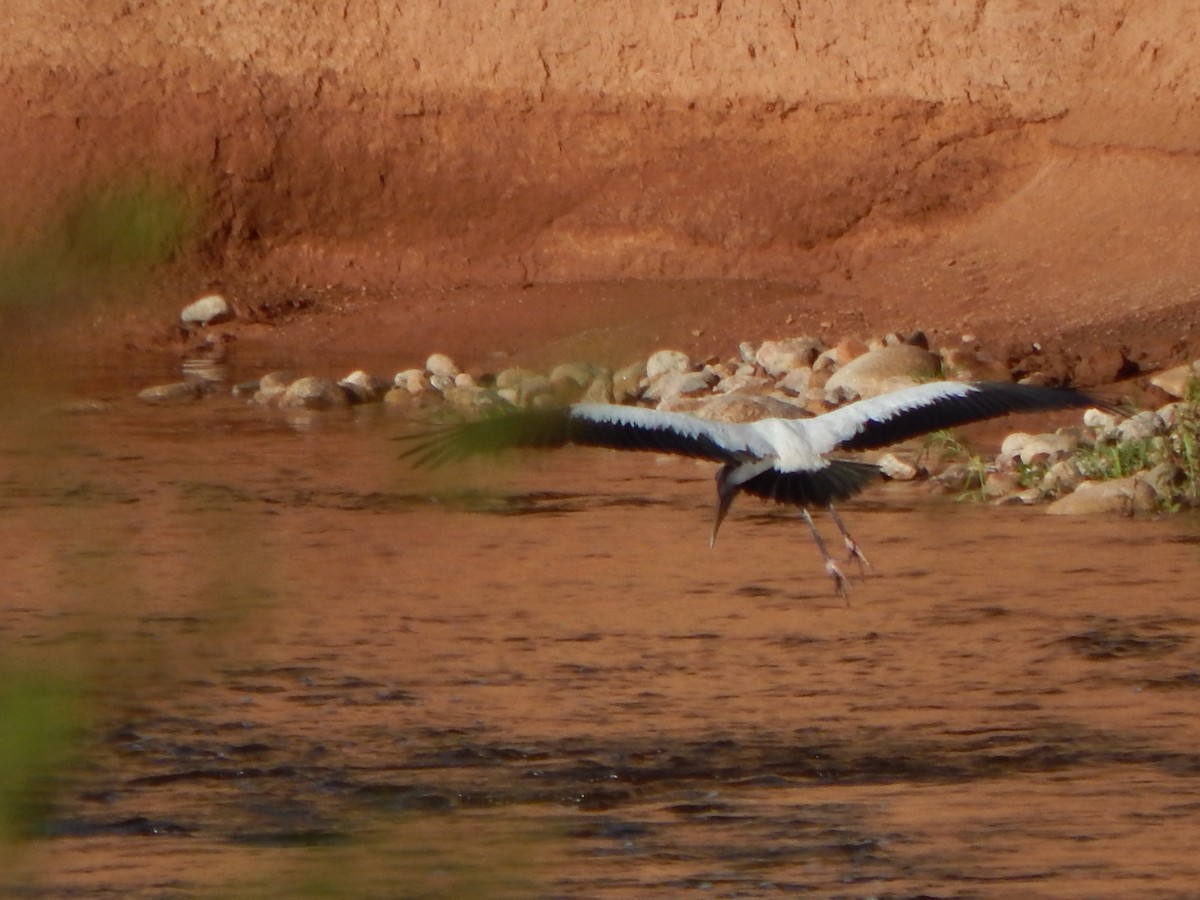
(277, 380)
(957, 477)
(744, 383)
(880, 371)
(780, 357)
(441, 364)
(896, 468)
(797, 381)
(175, 392)
(969, 365)
(1120, 495)
(1175, 381)
(512, 377)
(740, 408)
(1047, 448)
(412, 380)
(664, 361)
(402, 398)
(362, 387)
(601, 388)
(1011, 446)
(580, 373)
(1103, 422)
(210, 310)
(537, 390)
(845, 352)
(1000, 484)
(441, 383)
(314, 393)
(1027, 497)
(678, 384)
(627, 382)
(1145, 424)
(1162, 480)
(1061, 478)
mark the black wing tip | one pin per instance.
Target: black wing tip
(1035, 396)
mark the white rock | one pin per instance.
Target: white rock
(464, 380)
(580, 373)
(627, 382)
(601, 388)
(1121, 495)
(1143, 425)
(797, 381)
(1011, 446)
(1048, 448)
(896, 468)
(210, 310)
(1175, 381)
(881, 370)
(1099, 419)
(411, 380)
(678, 384)
(536, 390)
(780, 357)
(175, 392)
(1000, 484)
(441, 364)
(441, 383)
(512, 378)
(1162, 480)
(743, 383)
(741, 408)
(1060, 478)
(665, 361)
(364, 387)
(312, 392)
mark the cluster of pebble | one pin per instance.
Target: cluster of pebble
(792, 378)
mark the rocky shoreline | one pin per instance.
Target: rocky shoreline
(1146, 462)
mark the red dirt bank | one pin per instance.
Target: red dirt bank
(481, 178)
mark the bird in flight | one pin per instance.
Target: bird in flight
(784, 460)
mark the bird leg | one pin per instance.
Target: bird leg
(832, 569)
(725, 494)
(864, 565)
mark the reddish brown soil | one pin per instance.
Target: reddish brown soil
(690, 176)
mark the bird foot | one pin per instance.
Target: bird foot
(834, 571)
(854, 553)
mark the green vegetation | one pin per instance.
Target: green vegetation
(40, 724)
(108, 233)
(1175, 455)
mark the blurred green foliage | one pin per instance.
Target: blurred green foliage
(110, 232)
(40, 723)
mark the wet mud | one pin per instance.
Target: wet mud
(310, 668)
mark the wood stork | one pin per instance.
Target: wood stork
(784, 460)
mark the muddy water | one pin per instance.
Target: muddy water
(310, 671)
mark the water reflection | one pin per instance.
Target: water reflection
(309, 663)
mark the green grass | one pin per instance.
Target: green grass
(1102, 460)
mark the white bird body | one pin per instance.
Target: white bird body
(785, 460)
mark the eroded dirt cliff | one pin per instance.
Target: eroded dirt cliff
(1021, 167)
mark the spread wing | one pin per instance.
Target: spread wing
(908, 412)
(587, 424)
